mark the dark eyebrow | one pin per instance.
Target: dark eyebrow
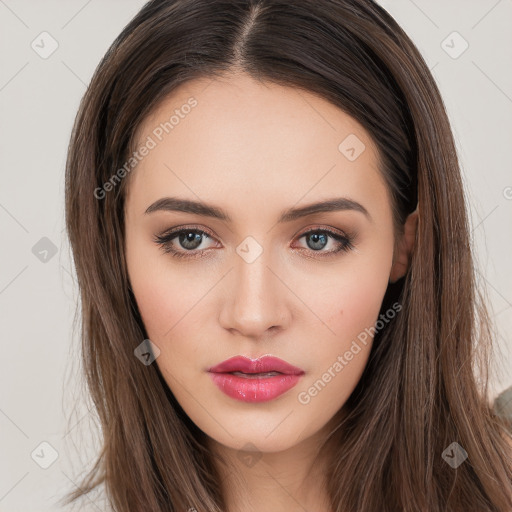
(198, 208)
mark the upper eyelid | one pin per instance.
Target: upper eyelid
(173, 232)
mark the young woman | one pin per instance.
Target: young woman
(270, 234)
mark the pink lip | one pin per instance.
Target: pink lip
(255, 389)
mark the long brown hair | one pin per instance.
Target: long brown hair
(425, 385)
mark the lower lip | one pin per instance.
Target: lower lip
(261, 389)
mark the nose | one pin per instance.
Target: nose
(256, 299)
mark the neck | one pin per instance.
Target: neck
(289, 480)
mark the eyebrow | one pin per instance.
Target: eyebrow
(288, 215)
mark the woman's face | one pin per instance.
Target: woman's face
(257, 158)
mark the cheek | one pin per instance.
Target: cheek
(166, 314)
(169, 300)
(340, 359)
(354, 295)
(155, 288)
(359, 304)
(154, 299)
(352, 307)
(165, 305)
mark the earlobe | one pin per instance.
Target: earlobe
(402, 255)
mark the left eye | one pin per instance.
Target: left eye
(190, 241)
(319, 239)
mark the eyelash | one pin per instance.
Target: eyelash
(165, 239)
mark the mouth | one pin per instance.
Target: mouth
(255, 380)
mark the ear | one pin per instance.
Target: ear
(402, 254)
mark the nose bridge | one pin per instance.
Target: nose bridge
(254, 303)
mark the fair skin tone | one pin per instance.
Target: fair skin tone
(255, 150)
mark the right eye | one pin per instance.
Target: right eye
(189, 239)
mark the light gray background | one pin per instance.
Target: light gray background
(38, 100)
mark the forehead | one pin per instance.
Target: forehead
(211, 137)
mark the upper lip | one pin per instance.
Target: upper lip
(261, 365)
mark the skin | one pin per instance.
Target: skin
(255, 149)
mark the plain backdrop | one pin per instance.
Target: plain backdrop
(467, 45)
